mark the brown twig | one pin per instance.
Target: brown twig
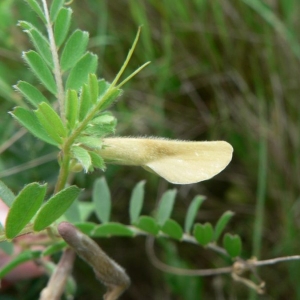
(56, 284)
(106, 270)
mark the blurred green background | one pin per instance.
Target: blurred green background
(221, 70)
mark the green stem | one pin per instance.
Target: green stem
(64, 170)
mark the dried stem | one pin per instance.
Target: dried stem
(56, 284)
(106, 269)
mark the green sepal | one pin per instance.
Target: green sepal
(90, 142)
(62, 25)
(102, 125)
(74, 49)
(31, 93)
(41, 70)
(97, 160)
(55, 207)
(30, 121)
(79, 73)
(24, 207)
(82, 156)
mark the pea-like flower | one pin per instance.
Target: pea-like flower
(179, 162)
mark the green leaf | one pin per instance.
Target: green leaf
(103, 86)
(86, 227)
(221, 224)
(165, 206)
(112, 229)
(93, 86)
(173, 229)
(232, 244)
(62, 25)
(82, 156)
(24, 208)
(7, 247)
(31, 93)
(97, 160)
(54, 248)
(22, 257)
(148, 224)
(203, 233)
(41, 44)
(72, 214)
(109, 98)
(55, 207)
(79, 73)
(30, 121)
(136, 201)
(36, 7)
(74, 49)
(54, 9)
(85, 210)
(102, 200)
(105, 118)
(47, 125)
(192, 213)
(85, 102)
(6, 194)
(90, 142)
(51, 116)
(41, 70)
(72, 108)
(26, 25)
(100, 129)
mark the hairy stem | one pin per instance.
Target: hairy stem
(56, 70)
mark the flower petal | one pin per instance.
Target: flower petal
(178, 162)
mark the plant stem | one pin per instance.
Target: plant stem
(56, 69)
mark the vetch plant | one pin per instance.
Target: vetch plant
(75, 120)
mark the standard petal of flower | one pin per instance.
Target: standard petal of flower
(179, 162)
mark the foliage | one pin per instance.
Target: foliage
(250, 90)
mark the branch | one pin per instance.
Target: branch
(56, 284)
(106, 269)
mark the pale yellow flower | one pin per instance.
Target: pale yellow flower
(179, 162)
